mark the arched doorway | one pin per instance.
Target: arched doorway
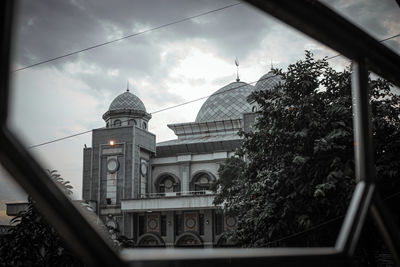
(150, 240)
(202, 181)
(188, 239)
(167, 183)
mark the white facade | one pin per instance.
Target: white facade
(160, 194)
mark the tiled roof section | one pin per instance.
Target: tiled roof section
(214, 138)
(267, 82)
(127, 101)
(229, 102)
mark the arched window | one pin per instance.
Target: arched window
(144, 125)
(202, 182)
(107, 125)
(168, 184)
(188, 240)
(117, 123)
(132, 122)
(150, 240)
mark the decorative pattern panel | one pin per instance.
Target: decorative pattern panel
(190, 222)
(153, 223)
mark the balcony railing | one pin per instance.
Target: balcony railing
(186, 200)
(178, 194)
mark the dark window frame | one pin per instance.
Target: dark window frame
(201, 224)
(163, 225)
(117, 123)
(178, 224)
(313, 19)
(141, 225)
(132, 122)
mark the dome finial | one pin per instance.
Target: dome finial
(237, 69)
(127, 86)
(272, 65)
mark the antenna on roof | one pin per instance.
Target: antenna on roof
(127, 86)
(237, 69)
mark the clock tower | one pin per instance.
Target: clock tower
(116, 167)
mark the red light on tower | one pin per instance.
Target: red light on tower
(111, 142)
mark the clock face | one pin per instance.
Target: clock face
(112, 165)
(143, 168)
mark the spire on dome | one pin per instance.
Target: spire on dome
(127, 86)
(237, 69)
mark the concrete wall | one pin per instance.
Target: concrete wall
(211, 167)
(14, 208)
(209, 239)
(168, 203)
(87, 169)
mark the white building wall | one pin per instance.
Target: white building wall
(170, 203)
(206, 166)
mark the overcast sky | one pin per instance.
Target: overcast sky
(165, 67)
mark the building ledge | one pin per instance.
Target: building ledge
(14, 208)
(160, 203)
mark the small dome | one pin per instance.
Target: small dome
(127, 101)
(267, 81)
(229, 102)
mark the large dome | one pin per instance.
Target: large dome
(267, 81)
(127, 101)
(229, 102)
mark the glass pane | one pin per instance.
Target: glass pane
(379, 19)
(144, 113)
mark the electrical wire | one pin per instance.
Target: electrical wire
(59, 139)
(381, 41)
(188, 102)
(154, 112)
(127, 36)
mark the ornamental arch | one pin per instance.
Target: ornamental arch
(189, 239)
(167, 183)
(202, 180)
(150, 240)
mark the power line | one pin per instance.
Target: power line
(203, 97)
(381, 41)
(154, 112)
(191, 101)
(59, 139)
(127, 36)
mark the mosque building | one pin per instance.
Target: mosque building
(159, 194)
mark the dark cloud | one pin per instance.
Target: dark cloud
(47, 29)
(371, 16)
(50, 28)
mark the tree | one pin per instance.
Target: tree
(33, 242)
(299, 168)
